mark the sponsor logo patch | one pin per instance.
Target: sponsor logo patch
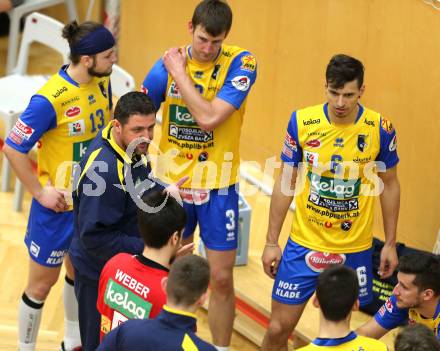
(334, 188)
(79, 149)
(313, 143)
(290, 142)
(34, 249)
(248, 63)
(77, 128)
(105, 324)
(203, 156)
(386, 125)
(125, 301)
(241, 83)
(59, 92)
(333, 204)
(72, 111)
(144, 90)
(311, 121)
(311, 158)
(389, 306)
(346, 225)
(393, 144)
(197, 197)
(67, 102)
(339, 142)
(318, 261)
(21, 131)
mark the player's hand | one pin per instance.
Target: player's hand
(271, 259)
(52, 198)
(388, 261)
(174, 189)
(174, 60)
(185, 249)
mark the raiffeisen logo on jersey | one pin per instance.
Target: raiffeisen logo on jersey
(334, 188)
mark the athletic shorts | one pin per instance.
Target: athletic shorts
(216, 212)
(48, 235)
(297, 275)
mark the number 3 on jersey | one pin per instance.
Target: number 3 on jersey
(99, 114)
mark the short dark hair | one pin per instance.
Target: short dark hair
(188, 280)
(74, 32)
(343, 69)
(133, 103)
(215, 16)
(426, 268)
(337, 292)
(157, 228)
(416, 337)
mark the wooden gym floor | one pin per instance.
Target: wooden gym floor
(253, 287)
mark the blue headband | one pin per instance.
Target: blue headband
(94, 42)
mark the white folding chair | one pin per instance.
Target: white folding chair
(18, 12)
(122, 81)
(17, 89)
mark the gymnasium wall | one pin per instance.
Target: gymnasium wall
(397, 40)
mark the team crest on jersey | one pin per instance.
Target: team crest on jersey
(248, 63)
(362, 142)
(318, 261)
(386, 125)
(215, 72)
(102, 88)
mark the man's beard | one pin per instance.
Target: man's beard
(94, 73)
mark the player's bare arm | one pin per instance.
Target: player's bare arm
(390, 202)
(208, 114)
(372, 329)
(279, 205)
(47, 196)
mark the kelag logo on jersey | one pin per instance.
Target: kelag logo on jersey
(79, 149)
(125, 301)
(181, 116)
(334, 188)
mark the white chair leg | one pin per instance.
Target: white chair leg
(71, 10)
(14, 29)
(6, 174)
(18, 196)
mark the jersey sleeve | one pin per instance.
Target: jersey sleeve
(388, 144)
(389, 315)
(155, 83)
(292, 152)
(239, 80)
(38, 118)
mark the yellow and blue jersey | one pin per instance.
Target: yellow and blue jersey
(63, 117)
(210, 158)
(352, 342)
(390, 316)
(338, 183)
(171, 330)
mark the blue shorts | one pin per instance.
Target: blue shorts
(48, 235)
(299, 269)
(216, 212)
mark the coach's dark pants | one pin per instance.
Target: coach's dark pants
(89, 318)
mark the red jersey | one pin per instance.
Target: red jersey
(130, 287)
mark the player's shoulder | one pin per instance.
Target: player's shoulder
(371, 344)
